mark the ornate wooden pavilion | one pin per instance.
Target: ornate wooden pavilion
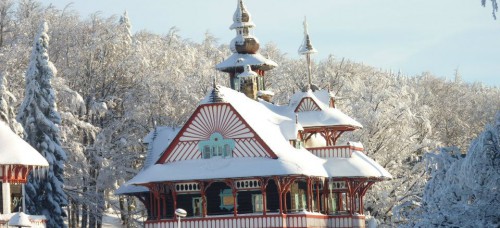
(242, 161)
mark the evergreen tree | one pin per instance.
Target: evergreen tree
(40, 119)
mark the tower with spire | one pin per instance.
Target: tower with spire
(245, 52)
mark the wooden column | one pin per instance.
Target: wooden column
(309, 192)
(340, 202)
(318, 207)
(326, 196)
(283, 184)
(280, 196)
(174, 199)
(203, 199)
(263, 187)
(362, 194)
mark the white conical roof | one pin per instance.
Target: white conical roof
(15, 151)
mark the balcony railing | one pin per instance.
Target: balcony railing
(270, 220)
(344, 151)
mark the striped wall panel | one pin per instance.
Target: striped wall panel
(220, 118)
(216, 118)
(307, 104)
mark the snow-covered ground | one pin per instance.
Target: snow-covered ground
(111, 220)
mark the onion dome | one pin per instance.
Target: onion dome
(241, 17)
(244, 46)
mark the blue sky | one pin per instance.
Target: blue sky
(412, 36)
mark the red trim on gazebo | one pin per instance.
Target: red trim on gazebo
(15, 173)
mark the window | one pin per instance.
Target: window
(197, 206)
(227, 199)
(216, 146)
(257, 202)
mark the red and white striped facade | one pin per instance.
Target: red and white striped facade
(219, 118)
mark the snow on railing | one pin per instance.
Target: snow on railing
(344, 151)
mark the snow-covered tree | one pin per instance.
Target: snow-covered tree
(40, 119)
(7, 100)
(494, 6)
(6, 9)
(463, 192)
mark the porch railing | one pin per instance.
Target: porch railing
(270, 220)
(344, 151)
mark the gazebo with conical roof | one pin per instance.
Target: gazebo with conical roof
(17, 160)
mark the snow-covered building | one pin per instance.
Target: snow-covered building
(17, 160)
(242, 161)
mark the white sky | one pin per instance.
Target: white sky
(413, 35)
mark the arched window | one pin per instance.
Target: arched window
(216, 146)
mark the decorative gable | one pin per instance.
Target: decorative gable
(215, 129)
(307, 104)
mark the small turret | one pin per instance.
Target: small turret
(245, 49)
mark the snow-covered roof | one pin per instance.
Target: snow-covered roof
(218, 168)
(275, 126)
(237, 60)
(158, 140)
(15, 151)
(358, 165)
(326, 117)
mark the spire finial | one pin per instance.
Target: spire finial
(307, 49)
(215, 96)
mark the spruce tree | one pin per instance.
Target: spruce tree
(40, 119)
